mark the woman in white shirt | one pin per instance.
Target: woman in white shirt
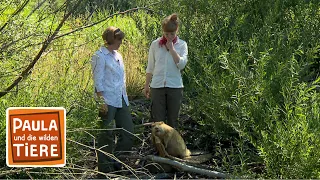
(110, 88)
(167, 57)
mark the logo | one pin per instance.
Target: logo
(36, 137)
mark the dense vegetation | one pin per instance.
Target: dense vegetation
(252, 79)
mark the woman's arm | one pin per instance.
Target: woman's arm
(180, 61)
(173, 52)
(149, 70)
(98, 72)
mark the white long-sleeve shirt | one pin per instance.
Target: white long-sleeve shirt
(165, 72)
(109, 76)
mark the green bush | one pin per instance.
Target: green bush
(248, 72)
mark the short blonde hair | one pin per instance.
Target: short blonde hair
(170, 23)
(112, 33)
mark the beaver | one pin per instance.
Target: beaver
(168, 141)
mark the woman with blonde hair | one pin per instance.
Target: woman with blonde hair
(167, 57)
(110, 92)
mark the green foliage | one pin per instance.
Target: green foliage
(252, 76)
(248, 72)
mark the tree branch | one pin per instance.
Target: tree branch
(5, 46)
(15, 13)
(36, 8)
(183, 167)
(108, 17)
(46, 43)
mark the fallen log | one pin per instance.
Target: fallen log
(185, 167)
(182, 166)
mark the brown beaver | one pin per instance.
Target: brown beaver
(168, 141)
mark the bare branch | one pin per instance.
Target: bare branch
(5, 46)
(185, 167)
(14, 171)
(36, 8)
(54, 12)
(8, 5)
(105, 153)
(108, 17)
(182, 166)
(15, 13)
(46, 43)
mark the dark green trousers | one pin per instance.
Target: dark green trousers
(106, 138)
(165, 105)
